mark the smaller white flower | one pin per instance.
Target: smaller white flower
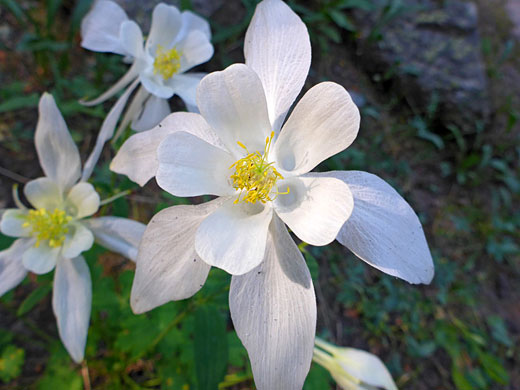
(177, 42)
(56, 231)
(353, 369)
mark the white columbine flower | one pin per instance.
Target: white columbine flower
(353, 369)
(177, 42)
(56, 231)
(238, 150)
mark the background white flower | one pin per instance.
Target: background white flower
(272, 300)
(353, 369)
(55, 232)
(176, 43)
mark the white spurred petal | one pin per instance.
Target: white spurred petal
(315, 208)
(277, 47)
(191, 21)
(78, 240)
(166, 24)
(128, 77)
(43, 193)
(234, 236)
(131, 38)
(185, 85)
(154, 111)
(107, 130)
(273, 309)
(233, 103)
(137, 157)
(100, 27)
(196, 49)
(119, 235)
(82, 200)
(58, 154)
(12, 271)
(71, 302)
(383, 229)
(324, 122)
(168, 268)
(133, 110)
(190, 166)
(12, 223)
(41, 259)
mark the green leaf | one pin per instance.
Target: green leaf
(318, 379)
(33, 299)
(16, 10)
(459, 379)
(60, 373)
(341, 20)
(494, 368)
(18, 102)
(210, 347)
(11, 363)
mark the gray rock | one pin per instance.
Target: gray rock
(431, 49)
(513, 9)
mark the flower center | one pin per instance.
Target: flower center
(254, 177)
(47, 226)
(167, 62)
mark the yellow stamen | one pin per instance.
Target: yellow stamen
(47, 226)
(255, 176)
(167, 62)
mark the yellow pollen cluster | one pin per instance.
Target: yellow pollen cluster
(167, 62)
(47, 226)
(254, 176)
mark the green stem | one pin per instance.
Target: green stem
(114, 197)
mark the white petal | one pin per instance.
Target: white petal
(366, 367)
(233, 103)
(107, 131)
(100, 27)
(233, 237)
(168, 268)
(43, 193)
(82, 200)
(154, 111)
(190, 166)
(12, 223)
(273, 309)
(12, 271)
(166, 23)
(128, 77)
(41, 259)
(191, 21)
(154, 84)
(383, 229)
(78, 240)
(137, 157)
(323, 123)
(185, 85)
(58, 154)
(195, 48)
(119, 235)
(277, 47)
(131, 38)
(71, 302)
(315, 208)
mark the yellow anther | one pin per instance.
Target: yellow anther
(45, 226)
(254, 176)
(167, 62)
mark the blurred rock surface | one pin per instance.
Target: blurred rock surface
(429, 48)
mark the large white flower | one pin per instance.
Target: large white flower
(55, 232)
(238, 150)
(176, 43)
